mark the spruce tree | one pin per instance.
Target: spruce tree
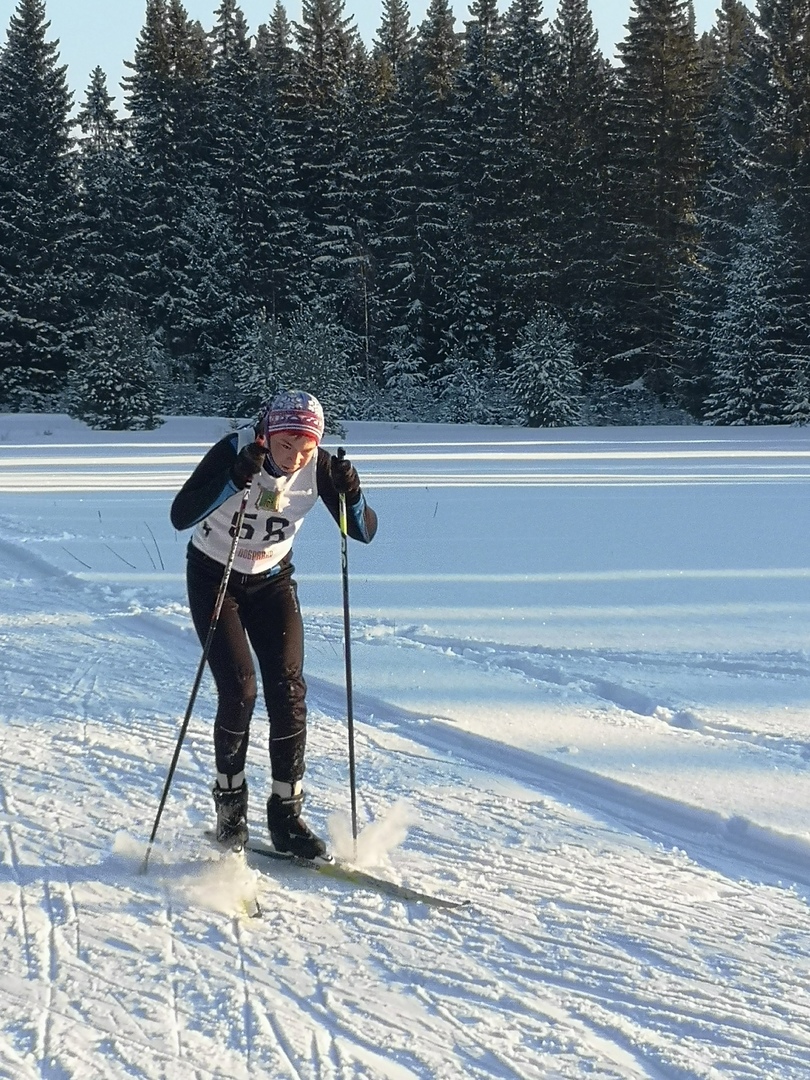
(167, 97)
(527, 75)
(471, 391)
(660, 165)
(738, 82)
(581, 233)
(785, 26)
(387, 167)
(275, 54)
(118, 384)
(105, 241)
(546, 380)
(525, 68)
(232, 110)
(476, 256)
(210, 307)
(438, 52)
(420, 192)
(484, 15)
(309, 349)
(189, 91)
(347, 230)
(278, 245)
(98, 118)
(39, 328)
(754, 354)
(724, 43)
(321, 122)
(395, 37)
(251, 170)
(407, 393)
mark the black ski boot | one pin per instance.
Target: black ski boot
(231, 806)
(288, 830)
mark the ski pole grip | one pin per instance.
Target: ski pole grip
(341, 452)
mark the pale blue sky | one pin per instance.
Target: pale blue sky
(104, 32)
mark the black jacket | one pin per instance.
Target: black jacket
(210, 485)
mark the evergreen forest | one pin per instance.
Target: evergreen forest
(491, 224)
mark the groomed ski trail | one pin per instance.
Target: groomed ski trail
(592, 950)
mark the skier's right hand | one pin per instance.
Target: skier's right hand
(248, 462)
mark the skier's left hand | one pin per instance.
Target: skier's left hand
(345, 479)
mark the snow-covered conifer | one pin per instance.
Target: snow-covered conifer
(118, 383)
(751, 335)
(659, 164)
(737, 79)
(39, 323)
(167, 96)
(312, 349)
(395, 37)
(546, 380)
(407, 393)
(581, 228)
(209, 306)
(106, 238)
(526, 76)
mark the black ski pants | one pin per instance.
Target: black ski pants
(262, 611)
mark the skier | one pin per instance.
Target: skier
(289, 471)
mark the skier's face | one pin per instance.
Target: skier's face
(291, 452)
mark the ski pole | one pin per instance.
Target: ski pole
(237, 528)
(347, 651)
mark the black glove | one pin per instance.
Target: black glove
(345, 479)
(248, 462)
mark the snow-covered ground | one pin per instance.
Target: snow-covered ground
(582, 691)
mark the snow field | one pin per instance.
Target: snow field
(621, 793)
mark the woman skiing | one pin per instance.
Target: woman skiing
(288, 470)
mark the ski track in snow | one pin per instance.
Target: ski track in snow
(605, 938)
(570, 669)
(567, 985)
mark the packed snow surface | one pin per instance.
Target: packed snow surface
(581, 668)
